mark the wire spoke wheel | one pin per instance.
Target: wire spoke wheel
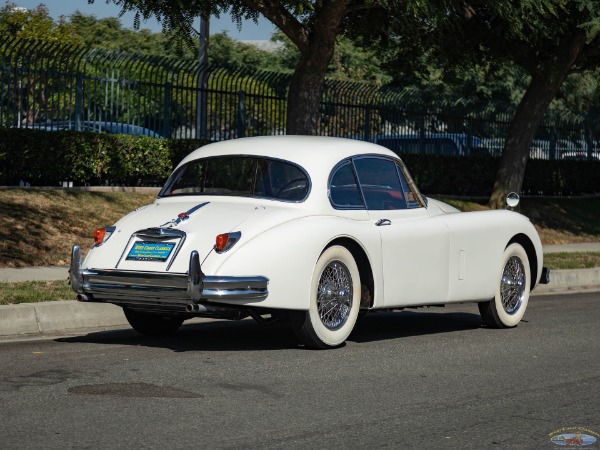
(512, 291)
(512, 286)
(334, 297)
(334, 301)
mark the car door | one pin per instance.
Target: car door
(414, 246)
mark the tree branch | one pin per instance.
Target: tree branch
(284, 20)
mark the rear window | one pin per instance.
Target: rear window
(242, 176)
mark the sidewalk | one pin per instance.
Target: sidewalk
(64, 316)
(51, 273)
(571, 248)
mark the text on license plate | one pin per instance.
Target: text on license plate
(150, 251)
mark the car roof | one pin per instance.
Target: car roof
(311, 152)
(315, 154)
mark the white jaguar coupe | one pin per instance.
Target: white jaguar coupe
(310, 229)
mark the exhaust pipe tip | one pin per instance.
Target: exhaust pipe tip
(195, 308)
(84, 298)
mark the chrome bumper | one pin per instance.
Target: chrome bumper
(124, 286)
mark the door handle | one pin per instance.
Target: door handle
(382, 222)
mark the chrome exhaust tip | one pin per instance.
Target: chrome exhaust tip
(195, 308)
(85, 298)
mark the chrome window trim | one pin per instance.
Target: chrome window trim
(360, 192)
(410, 184)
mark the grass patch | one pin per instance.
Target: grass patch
(35, 291)
(578, 260)
(39, 227)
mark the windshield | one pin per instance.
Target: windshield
(242, 176)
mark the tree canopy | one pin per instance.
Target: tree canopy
(546, 41)
(36, 23)
(313, 26)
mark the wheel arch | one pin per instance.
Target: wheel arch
(364, 268)
(524, 241)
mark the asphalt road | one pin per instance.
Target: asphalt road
(431, 378)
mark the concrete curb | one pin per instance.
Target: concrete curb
(570, 281)
(58, 316)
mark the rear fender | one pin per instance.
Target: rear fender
(286, 255)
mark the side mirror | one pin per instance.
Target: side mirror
(512, 200)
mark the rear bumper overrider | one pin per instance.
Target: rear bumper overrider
(159, 289)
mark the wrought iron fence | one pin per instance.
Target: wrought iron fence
(48, 86)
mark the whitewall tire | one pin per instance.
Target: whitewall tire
(512, 290)
(334, 301)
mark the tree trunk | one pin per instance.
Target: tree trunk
(520, 135)
(544, 86)
(305, 93)
(306, 86)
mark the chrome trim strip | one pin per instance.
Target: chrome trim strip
(179, 219)
(160, 233)
(235, 288)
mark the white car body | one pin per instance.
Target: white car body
(429, 254)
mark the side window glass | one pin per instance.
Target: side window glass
(343, 190)
(409, 195)
(380, 183)
(287, 182)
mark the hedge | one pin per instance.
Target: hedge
(45, 158)
(475, 176)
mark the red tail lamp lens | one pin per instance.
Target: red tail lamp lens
(221, 242)
(99, 234)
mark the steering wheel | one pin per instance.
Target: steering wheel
(288, 185)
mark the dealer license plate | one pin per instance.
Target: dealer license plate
(150, 251)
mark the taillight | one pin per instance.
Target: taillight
(221, 242)
(225, 241)
(101, 235)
